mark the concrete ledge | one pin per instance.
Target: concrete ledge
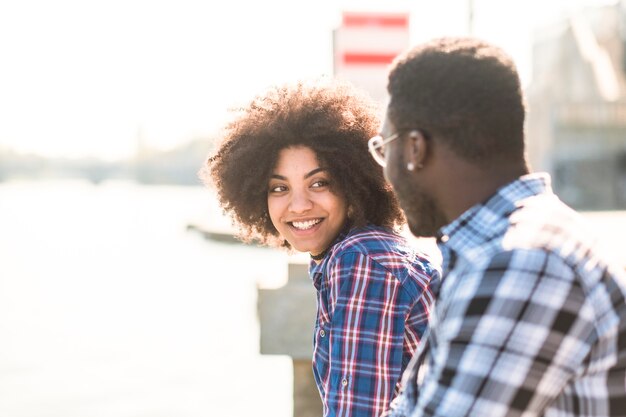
(287, 316)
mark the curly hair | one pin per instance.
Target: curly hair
(332, 118)
(463, 90)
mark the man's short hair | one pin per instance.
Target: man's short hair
(464, 91)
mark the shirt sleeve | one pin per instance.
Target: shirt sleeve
(367, 308)
(508, 339)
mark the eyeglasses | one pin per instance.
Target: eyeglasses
(376, 146)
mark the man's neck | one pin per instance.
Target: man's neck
(469, 184)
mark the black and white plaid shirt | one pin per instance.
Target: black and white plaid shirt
(530, 319)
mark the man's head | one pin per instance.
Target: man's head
(461, 98)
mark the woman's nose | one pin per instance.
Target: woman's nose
(300, 202)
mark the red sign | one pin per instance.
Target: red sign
(371, 19)
(364, 46)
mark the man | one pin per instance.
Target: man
(530, 317)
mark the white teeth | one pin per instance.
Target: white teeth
(305, 225)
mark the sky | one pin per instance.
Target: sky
(91, 78)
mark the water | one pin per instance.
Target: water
(109, 307)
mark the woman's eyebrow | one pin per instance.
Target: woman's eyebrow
(307, 175)
(315, 171)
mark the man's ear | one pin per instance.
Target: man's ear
(418, 149)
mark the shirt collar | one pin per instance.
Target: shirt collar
(483, 221)
(319, 267)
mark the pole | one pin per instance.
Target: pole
(470, 17)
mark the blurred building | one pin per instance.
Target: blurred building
(576, 125)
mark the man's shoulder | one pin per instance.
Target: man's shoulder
(539, 223)
(542, 231)
(544, 222)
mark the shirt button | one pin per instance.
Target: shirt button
(322, 333)
(344, 382)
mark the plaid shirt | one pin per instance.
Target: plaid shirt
(373, 302)
(530, 320)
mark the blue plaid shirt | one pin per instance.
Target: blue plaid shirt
(373, 302)
(530, 319)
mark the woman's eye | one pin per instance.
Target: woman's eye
(277, 189)
(319, 184)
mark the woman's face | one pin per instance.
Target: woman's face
(301, 204)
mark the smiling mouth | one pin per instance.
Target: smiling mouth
(305, 225)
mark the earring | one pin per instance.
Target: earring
(410, 166)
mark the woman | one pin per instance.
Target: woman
(293, 170)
